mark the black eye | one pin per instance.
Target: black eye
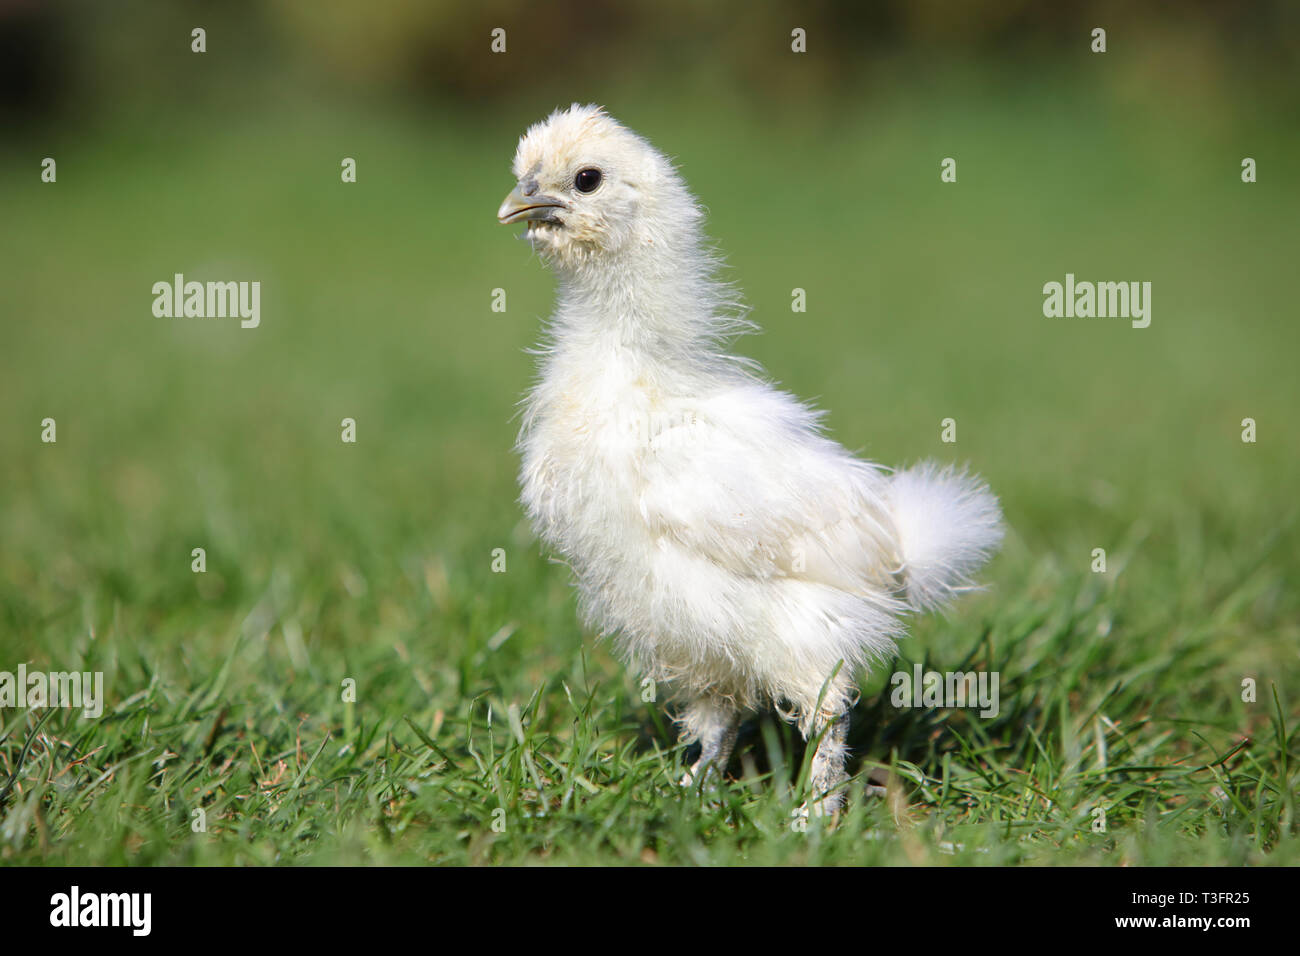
(587, 180)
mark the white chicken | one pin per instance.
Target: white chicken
(734, 553)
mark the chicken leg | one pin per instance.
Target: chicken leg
(828, 772)
(714, 724)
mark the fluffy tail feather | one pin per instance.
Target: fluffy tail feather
(949, 524)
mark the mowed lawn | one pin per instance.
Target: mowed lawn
(486, 726)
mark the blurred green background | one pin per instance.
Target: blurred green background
(819, 171)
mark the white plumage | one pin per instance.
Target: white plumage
(732, 550)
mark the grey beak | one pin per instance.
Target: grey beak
(525, 202)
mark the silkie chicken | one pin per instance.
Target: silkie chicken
(735, 554)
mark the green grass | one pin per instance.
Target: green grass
(477, 692)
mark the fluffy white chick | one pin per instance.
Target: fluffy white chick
(734, 553)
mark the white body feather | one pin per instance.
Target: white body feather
(729, 546)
